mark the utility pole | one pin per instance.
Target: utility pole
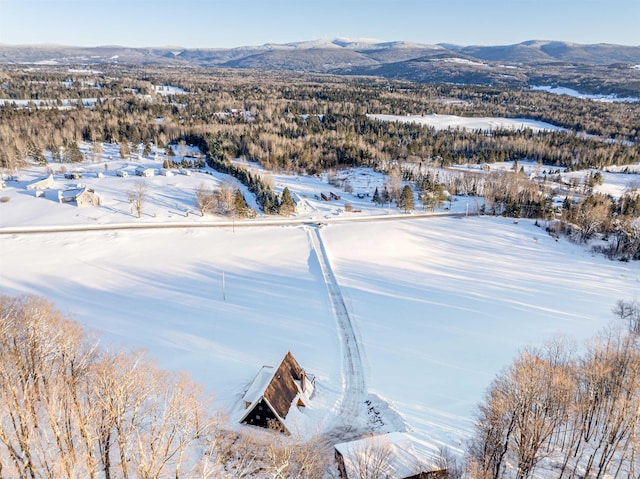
(224, 296)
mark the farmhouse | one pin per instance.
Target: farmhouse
(395, 456)
(81, 196)
(142, 171)
(41, 184)
(122, 173)
(275, 392)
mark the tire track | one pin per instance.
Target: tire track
(350, 416)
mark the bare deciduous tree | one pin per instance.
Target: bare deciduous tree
(629, 311)
(290, 457)
(371, 459)
(137, 197)
(582, 412)
(69, 410)
(225, 196)
(205, 199)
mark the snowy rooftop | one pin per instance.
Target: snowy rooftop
(399, 455)
(283, 389)
(71, 193)
(259, 384)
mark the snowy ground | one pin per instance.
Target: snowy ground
(442, 122)
(559, 90)
(440, 305)
(437, 305)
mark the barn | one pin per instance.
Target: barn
(394, 455)
(274, 392)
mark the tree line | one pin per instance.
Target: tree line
(571, 415)
(307, 123)
(584, 215)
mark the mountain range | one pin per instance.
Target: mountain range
(530, 62)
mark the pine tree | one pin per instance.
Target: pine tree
(287, 205)
(385, 195)
(376, 197)
(406, 202)
(73, 154)
(240, 205)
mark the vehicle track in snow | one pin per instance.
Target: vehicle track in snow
(351, 413)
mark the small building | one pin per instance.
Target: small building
(325, 196)
(334, 196)
(81, 196)
(41, 184)
(274, 392)
(395, 455)
(144, 171)
(122, 173)
(184, 171)
(73, 175)
(165, 172)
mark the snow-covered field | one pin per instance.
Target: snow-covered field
(442, 122)
(438, 305)
(560, 90)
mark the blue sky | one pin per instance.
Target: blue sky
(230, 23)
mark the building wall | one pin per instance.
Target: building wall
(340, 462)
(87, 199)
(261, 415)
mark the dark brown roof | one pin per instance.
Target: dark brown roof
(283, 389)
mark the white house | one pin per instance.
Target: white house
(144, 171)
(165, 172)
(41, 184)
(122, 173)
(81, 196)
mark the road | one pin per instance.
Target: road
(351, 413)
(12, 230)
